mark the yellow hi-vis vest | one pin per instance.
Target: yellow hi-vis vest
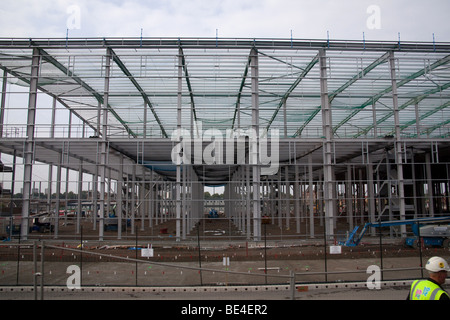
(425, 290)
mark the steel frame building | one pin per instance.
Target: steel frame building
(356, 130)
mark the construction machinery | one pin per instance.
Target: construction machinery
(213, 214)
(435, 233)
(41, 225)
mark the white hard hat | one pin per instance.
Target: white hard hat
(436, 264)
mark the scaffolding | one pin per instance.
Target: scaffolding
(310, 136)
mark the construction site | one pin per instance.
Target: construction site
(164, 162)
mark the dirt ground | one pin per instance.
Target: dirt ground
(218, 238)
(175, 263)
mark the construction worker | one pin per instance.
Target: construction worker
(431, 289)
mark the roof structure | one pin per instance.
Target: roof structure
(211, 81)
(216, 82)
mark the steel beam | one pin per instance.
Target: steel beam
(415, 101)
(435, 127)
(425, 115)
(283, 100)
(124, 69)
(399, 84)
(230, 43)
(355, 78)
(188, 82)
(241, 88)
(47, 57)
(3, 102)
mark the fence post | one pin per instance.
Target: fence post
(420, 248)
(381, 250)
(199, 254)
(35, 273)
(292, 284)
(18, 256)
(325, 249)
(42, 269)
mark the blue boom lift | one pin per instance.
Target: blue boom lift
(432, 235)
(213, 213)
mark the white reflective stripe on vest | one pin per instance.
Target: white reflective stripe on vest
(433, 294)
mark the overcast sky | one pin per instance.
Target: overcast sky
(344, 19)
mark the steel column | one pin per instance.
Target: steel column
(178, 172)
(327, 145)
(297, 199)
(29, 142)
(133, 197)
(3, 102)
(104, 143)
(58, 191)
(49, 188)
(429, 182)
(371, 192)
(398, 143)
(349, 196)
(119, 199)
(287, 197)
(95, 197)
(142, 196)
(416, 113)
(247, 200)
(311, 197)
(52, 127)
(254, 145)
(280, 200)
(184, 203)
(80, 189)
